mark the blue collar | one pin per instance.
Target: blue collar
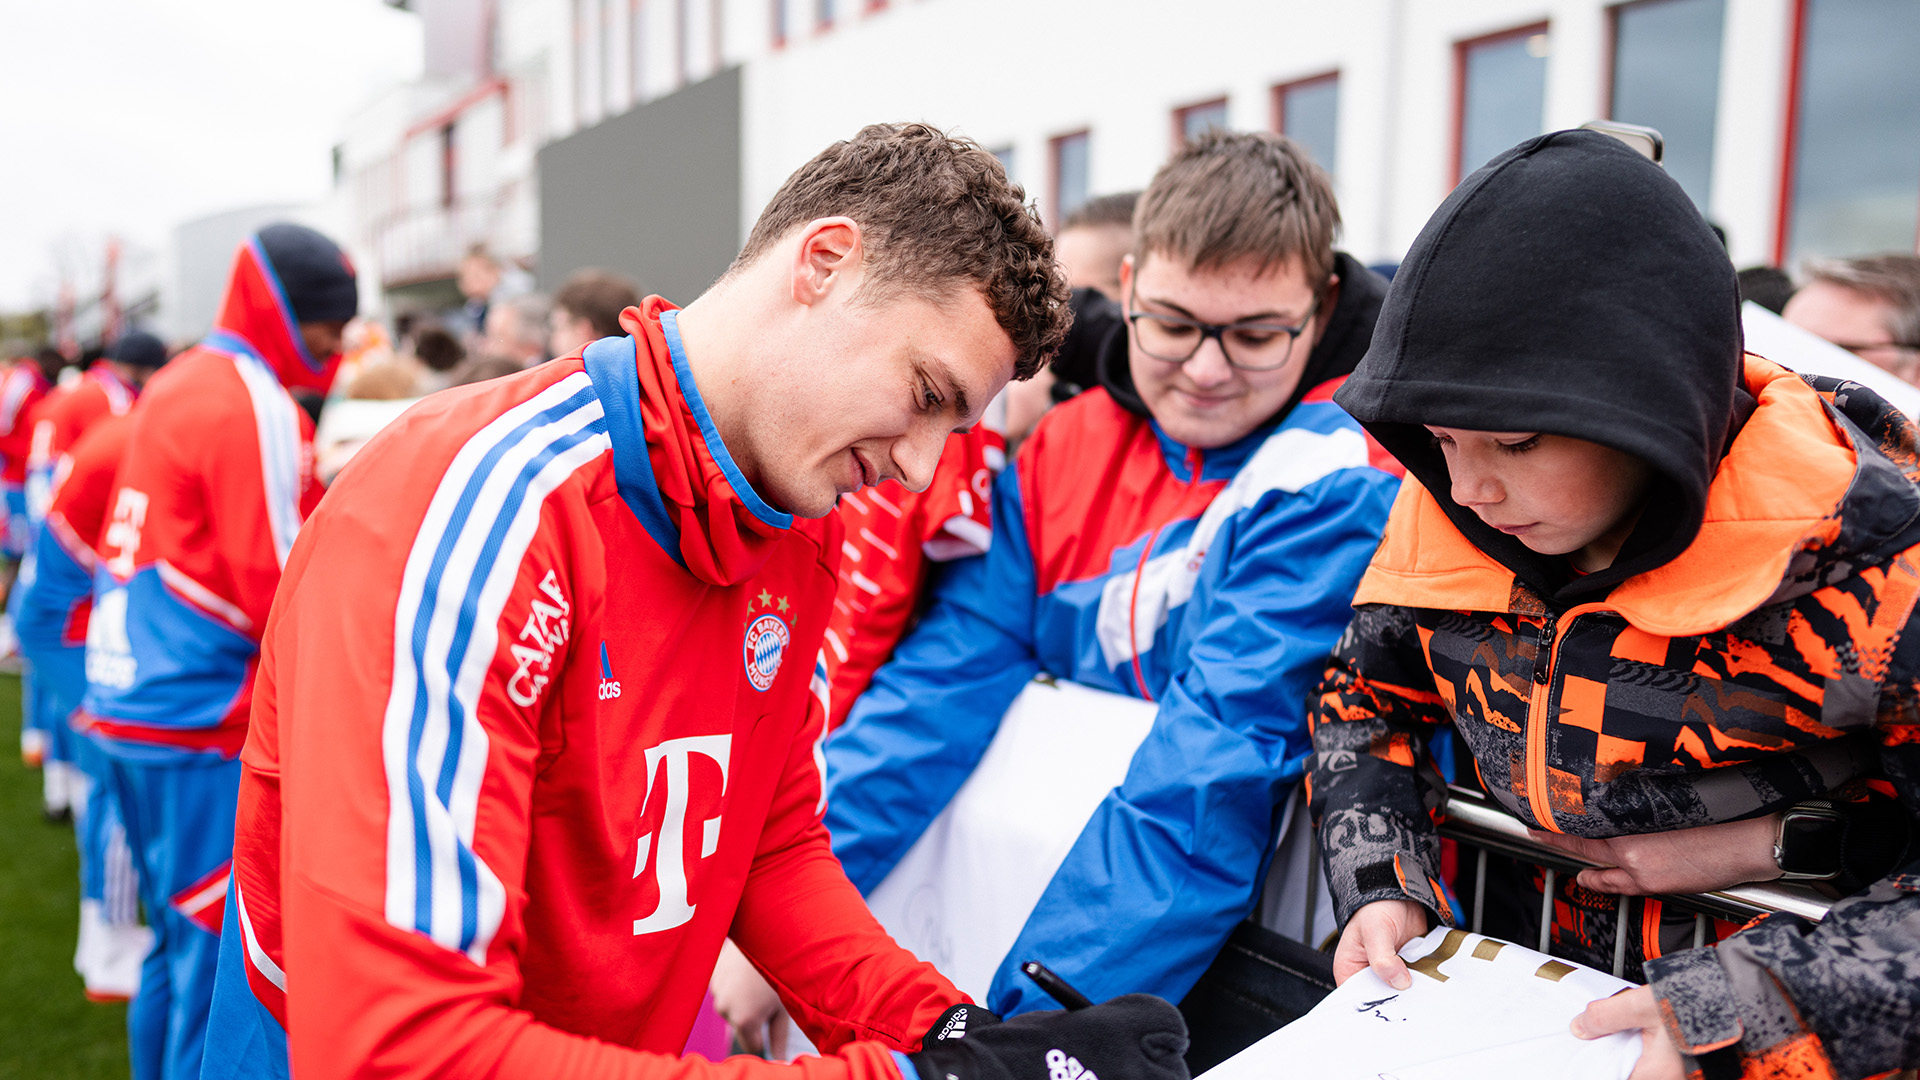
(612, 364)
(670, 324)
(1219, 463)
(231, 343)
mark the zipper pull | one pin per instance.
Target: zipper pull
(1543, 658)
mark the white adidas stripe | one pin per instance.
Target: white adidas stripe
(278, 425)
(449, 826)
(1289, 460)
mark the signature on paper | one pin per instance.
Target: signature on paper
(1374, 1008)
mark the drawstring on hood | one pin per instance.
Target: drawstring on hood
(1569, 287)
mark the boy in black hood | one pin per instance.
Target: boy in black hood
(1659, 589)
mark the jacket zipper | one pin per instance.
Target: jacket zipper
(1537, 725)
(1548, 652)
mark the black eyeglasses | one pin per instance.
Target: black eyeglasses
(1253, 345)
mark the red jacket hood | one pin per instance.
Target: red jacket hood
(255, 309)
(727, 531)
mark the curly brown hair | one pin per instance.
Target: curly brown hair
(934, 211)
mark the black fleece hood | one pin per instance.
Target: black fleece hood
(1095, 353)
(1569, 287)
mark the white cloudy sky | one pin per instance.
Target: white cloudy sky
(129, 116)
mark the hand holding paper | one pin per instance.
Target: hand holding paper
(1476, 1007)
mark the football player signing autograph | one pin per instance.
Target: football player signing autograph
(536, 718)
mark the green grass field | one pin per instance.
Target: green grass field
(48, 1029)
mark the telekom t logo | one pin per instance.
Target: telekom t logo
(668, 845)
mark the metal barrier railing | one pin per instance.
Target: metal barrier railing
(1473, 820)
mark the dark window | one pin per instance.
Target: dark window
(1853, 183)
(1666, 75)
(1069, 174)
(449, 166)
(1502, 92)
(823, 14)
(339, 164)
(680, 42)
(779, 12)
(1308, 112)
(636, 49)
(1199, 119)
(1005, 156)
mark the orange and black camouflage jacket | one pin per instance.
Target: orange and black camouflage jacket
(1764, 665)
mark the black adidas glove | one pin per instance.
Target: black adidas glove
(1136, 1037)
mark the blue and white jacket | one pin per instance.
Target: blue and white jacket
(1211, 583)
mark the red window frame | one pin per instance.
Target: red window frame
(1180, 118)
(1790, 128)
(1460, 50)
(1278, 122)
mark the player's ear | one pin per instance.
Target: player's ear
(827, 256)
(1126, 283)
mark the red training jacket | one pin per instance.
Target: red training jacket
(534, 729)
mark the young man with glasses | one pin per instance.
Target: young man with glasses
(1189, 534)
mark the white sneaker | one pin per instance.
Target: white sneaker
(86, 950)
(9, 646)
(33, 747)
(59, 781)
(115, 973)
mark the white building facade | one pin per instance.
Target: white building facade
(1795, 124)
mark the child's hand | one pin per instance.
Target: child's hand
(1634, 1010)
(1373, 938)
(1683, 861)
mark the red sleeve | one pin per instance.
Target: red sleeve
(84, 478)
(236, 464)
(809, 932)
(372, 993)
(892, 534)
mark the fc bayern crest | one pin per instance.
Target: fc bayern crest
(766, 643)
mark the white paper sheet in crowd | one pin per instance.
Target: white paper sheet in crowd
(1780, 341)
(1479, 1008)
(1059, 750)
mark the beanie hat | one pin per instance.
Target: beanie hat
(314, 273)
(140, 349)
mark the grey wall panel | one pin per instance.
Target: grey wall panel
(653, 193)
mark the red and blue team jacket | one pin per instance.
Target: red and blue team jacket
(60, 418)
(894, 537)
(218, 477)
(535, 727)
(1211, 582)
(22, 387)
(55, 602)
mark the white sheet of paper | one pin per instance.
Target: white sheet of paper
(961, 894)
(1482, 1008)
(1780, 341)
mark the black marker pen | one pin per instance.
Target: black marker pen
(1055, 986)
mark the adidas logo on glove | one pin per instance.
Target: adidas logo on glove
(1062, 1067)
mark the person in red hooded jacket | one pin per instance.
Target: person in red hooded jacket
(217, 479)
(539, 698)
